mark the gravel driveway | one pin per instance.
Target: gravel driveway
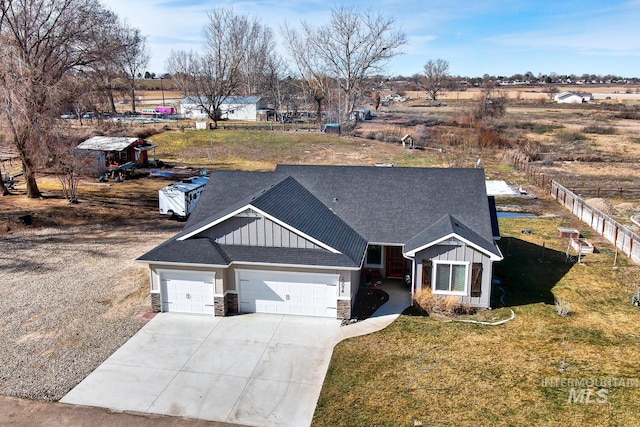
(69, 300)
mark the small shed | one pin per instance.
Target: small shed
(332, 128)
(571, 233)
(115, 151)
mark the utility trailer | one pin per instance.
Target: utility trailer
(180, 199)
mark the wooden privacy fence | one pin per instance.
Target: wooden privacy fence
(621, 236)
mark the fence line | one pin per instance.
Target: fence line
(618, 234)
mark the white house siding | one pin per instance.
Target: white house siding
(193, 111)
(257, 231)
(459, 253)
(239, 111)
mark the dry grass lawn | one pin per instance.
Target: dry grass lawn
(421, 371)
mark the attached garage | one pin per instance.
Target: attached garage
(283, 292)
(187, 291)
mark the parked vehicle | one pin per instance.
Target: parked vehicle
(180, 199)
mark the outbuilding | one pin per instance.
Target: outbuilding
(110, 152)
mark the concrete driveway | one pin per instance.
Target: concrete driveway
(253, 369)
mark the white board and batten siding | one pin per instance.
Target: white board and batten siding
(283, 292)
(187, 291)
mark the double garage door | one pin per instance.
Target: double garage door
(281, 292)
(309, 294)
(187, 291)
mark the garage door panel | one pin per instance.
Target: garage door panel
(188, 292)
(308, 294)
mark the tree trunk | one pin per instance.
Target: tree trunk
(33, 192)
(112, 104)
(4, 191)
(318, 109)
(133, 99)
(28, 171)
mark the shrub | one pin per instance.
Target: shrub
(569, 136)
(488, 138)
(449, 305)
(145, 132)
(600, 130)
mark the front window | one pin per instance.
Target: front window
(450, 278)
(374, 255)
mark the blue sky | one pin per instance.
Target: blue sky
(498, 37)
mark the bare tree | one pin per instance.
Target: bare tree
(256, 66)
(275, 84)
(436, 77)
(354, 45)
(310, 66)
(42, 42)
(551, 91)
(210, 78)
(68, 165)
(134, 59)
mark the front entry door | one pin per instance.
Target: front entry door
(396, 263)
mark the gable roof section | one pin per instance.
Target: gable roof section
(294, 207)
(195, 251)
(106, 143)
(447, 227)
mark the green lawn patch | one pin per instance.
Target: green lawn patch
(263, 150)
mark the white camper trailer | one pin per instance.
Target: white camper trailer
(180, 199)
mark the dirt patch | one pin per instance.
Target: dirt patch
(603, 206)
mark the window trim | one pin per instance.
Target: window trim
(434, 276)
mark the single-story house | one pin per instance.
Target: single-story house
(302, 239)
(231, 108)
(572, 97)
(113, 151)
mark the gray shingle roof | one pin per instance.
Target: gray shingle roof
(446, 226)
(347, 206)
(294, 205)
(192, 251)
(391, 205)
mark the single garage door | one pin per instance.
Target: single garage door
(187, 291)
(309, 294)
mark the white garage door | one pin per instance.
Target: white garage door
(309, 294)
(187, 291)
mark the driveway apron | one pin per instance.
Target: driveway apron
(252, 369)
